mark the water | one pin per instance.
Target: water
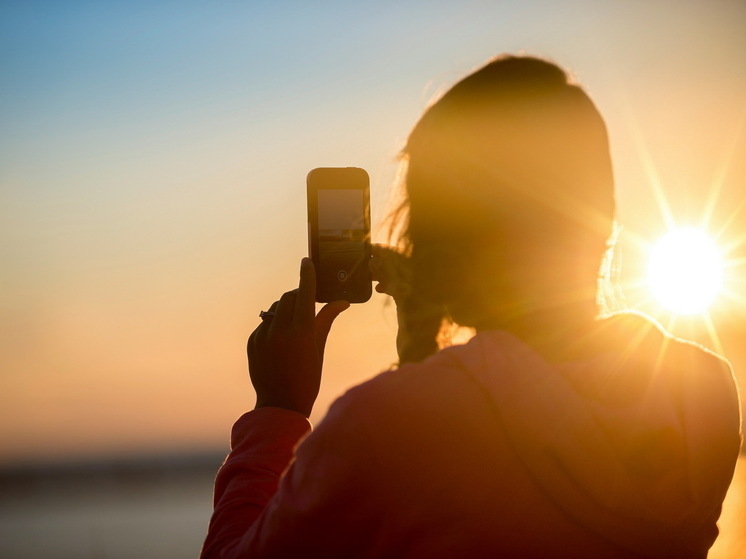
(159, 509)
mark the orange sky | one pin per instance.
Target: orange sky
(152, 171)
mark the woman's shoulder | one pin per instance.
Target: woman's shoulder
(639, 337)
(633, 358)
(406, 382)
(415, 398)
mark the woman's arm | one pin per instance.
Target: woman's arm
(323, 500)
(262, 447)
(285, 359)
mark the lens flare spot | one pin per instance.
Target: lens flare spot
(685, 270)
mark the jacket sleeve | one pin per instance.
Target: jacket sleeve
(272, 500)
(262, 445)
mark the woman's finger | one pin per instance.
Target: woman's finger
(375, 265)
(261, 331)
(272, 309)
(324, 321)
(284, 311)
(263, 328)
(305, 304)
(251, 344)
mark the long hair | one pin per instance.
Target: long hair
(508, 200)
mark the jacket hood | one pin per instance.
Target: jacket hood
(638, 442)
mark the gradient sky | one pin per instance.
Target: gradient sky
(152, 166)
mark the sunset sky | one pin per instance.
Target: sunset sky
(152, 182)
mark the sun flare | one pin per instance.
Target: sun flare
(685, 270)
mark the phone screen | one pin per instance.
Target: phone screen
(341, 230)
(340, 243)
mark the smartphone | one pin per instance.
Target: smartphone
(339, 233)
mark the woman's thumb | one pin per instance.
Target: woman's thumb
(325, 319)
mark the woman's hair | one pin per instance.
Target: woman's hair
(508, 201)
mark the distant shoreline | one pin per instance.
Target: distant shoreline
(17, 479)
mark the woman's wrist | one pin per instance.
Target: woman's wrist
(302, 408)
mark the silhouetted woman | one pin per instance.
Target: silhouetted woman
(554, 432)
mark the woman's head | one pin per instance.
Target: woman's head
(509, 197)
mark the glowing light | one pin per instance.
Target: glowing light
(685, 270)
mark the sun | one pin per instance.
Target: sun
(685, 270)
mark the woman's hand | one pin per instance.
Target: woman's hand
(394, 276)
(286, 351)
(391, 270)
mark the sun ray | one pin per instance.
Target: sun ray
(734, 296)
(735, 262)
(650, 170)
(662, 352)
(671, 323)
(721, 173)
(740, 240)
(712, 332)
(637, 291)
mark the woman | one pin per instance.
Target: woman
(553, 433)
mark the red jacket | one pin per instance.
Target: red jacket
(487, 450)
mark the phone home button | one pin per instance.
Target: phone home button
(342, 275)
